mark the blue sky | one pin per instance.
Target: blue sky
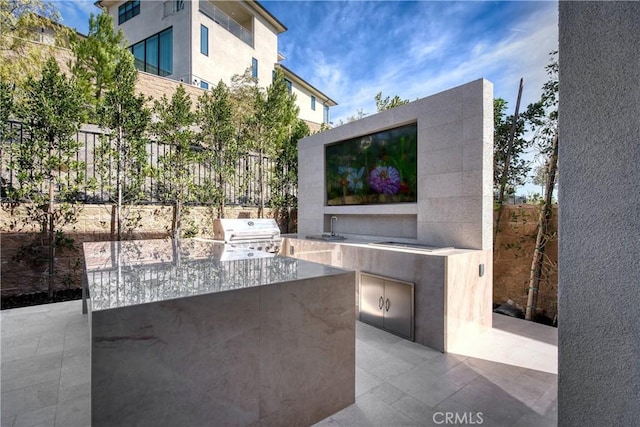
(351, 50)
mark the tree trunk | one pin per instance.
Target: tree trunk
(507, 159)
(120, 178)
(543, 236)
(222, 196)
(51, 233)
(261, 182)
(177, 221)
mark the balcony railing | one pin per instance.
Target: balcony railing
(226, 22)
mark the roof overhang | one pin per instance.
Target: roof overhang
(252, 4)
(262, 11)
(105, 3)
(302, 82)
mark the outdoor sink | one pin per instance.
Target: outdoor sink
(326, 237)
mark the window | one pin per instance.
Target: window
(204, 40)
(313, 103)
(254, 68)
(128, 11)
(154, 55)
(204, 85)
(288, 83)
(326, 114)
(172, 6)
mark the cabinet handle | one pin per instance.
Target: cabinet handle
(381, 303)
(388, 304)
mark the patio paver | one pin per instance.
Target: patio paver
(508, 374)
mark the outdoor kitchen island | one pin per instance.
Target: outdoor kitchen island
(196, 332)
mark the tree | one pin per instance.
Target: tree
(388, 103)
(546, 140)
(360, 114)
(540, 177)
(219, 142)
(96, 58)
(510, 168)
(124, 119)
(508, 157)
(175, 169)
(243, 94)
(6, 134)
(275, 115)
(285, 178)
(45, 159)
(21, 22)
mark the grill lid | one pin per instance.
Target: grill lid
(245, 230)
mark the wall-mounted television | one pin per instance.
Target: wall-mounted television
(371, 169)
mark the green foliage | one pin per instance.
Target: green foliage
(518, 166)
(278, 114)
(266, 122)
(218, 140)
(388, 103)
(6, 109)
(545, 123)
(51, 115)
(175, 169)
(124, 119)
(44, 160)
(96, 58)
(21, 22)
(285, 178)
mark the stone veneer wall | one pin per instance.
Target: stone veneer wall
(455, 161)
(512, 255)
(599, 153)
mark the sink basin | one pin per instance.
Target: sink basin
(326, 237)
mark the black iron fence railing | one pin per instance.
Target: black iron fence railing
(242, 189)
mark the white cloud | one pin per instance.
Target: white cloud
(76, 13)
(522, 53)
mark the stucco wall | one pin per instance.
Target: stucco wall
(303, 101)
(599, 330)
(150, 21)
(228, 55)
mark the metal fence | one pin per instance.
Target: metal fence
(243, 189)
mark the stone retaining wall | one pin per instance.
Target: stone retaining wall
(512, 256)
(23, 249)
(23, 262)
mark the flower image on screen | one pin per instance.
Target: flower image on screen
(371, 169)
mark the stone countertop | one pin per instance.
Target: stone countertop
(121, 274)
(382, 243)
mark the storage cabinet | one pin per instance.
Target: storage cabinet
(387, 304)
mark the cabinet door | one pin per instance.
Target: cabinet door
(398, 308)
(371, 300)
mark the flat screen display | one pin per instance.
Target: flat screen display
(373, 169)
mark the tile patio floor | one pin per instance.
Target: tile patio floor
(509, 374)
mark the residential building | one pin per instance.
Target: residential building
(201, 42)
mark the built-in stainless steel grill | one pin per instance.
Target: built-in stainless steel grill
(250, 233)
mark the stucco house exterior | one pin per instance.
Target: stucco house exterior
(200, 42)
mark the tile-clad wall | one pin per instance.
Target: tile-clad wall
(468, 297)
(279, 354)
(455, 172)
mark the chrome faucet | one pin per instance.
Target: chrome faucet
(331, 224)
